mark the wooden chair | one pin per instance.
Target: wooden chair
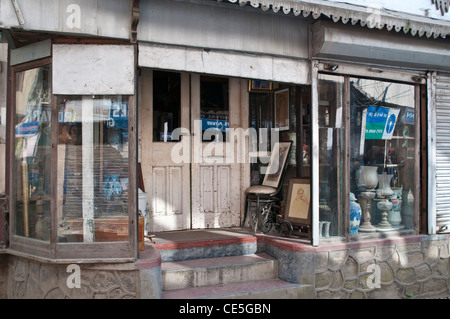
(269, 192)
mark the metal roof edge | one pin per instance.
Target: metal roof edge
(349, 13)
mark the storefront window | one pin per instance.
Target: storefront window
(382, 153)
(92, 199)
(166, 105)
(381, 148)
(331, 151)
(32, 153)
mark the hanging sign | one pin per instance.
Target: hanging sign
(380, 122)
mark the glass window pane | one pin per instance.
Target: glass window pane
(214, 108)
(166, 105)
(382, 153)
(331, 156)
(32, 153)
(261, 119)
(92, 201)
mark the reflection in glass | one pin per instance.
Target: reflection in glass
(32, 153)
(92, 168)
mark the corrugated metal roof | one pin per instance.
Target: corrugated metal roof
(354, 14)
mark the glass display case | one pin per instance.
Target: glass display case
(382, 142)
(379, 140)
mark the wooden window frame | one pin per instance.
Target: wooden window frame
(420, 159)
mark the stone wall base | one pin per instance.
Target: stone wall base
(24, 278)
(405, 267)
(408, 267)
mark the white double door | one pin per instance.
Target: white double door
(192, 184)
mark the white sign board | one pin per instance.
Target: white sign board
(88, 69)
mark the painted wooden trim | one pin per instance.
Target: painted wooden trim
(315, 152)
(431, 141)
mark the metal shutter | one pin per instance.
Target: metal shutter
(442, 153)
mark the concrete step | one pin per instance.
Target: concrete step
(218, 271)
(262, 289)
(209, 243)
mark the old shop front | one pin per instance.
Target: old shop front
(186, 120)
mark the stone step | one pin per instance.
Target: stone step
(210, 243)
(218, 271)
(262, 289)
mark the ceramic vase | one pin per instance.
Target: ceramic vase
(355, 215)
(395, 217)
(367, 177)
(384, 206)
(384, 184)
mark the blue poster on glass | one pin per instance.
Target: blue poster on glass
(380, 122)
(221, 125)
(118, 117)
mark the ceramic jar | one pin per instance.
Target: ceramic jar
(367, 177)
(355, 215)
(395, 217)
(384, 206)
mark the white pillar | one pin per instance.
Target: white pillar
(87, 106)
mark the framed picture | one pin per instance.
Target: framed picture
(298, 203)
(277, 162)
(259, 86)
(282, 109)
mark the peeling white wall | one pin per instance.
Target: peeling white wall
(84, 69)
(109, 18)
(222, 27)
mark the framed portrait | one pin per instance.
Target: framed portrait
(277, 162)
(282, 109)
(298, 203)
(259, 86)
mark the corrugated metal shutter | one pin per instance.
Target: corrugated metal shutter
(442, 153)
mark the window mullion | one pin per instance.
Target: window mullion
(315, 153)
(54, 175)
(346, 170)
